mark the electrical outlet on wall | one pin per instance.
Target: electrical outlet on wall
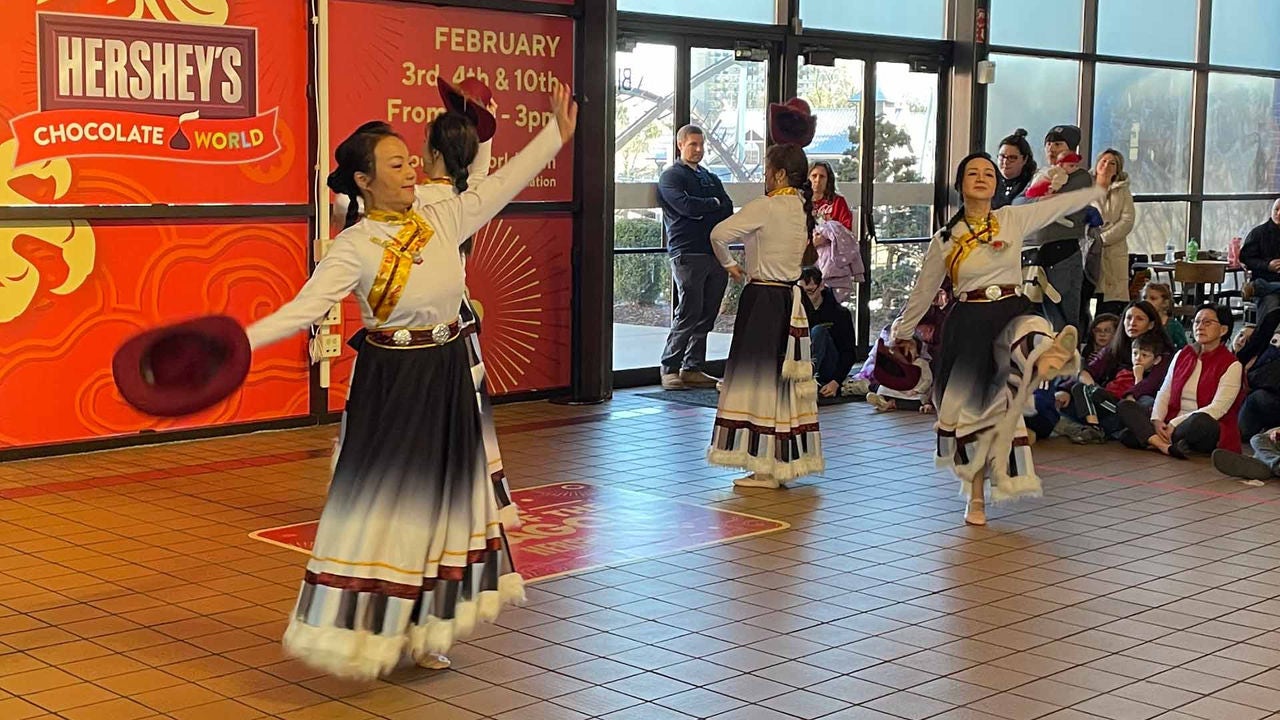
(330, 345)
(334, 316)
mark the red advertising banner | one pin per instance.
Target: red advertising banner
(518, 55)
(570, 527)
(520, 282)
(74, 291)
(154, 101)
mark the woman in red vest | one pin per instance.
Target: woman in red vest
(1196, 408)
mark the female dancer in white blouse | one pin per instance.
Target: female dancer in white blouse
(993, 352)
(767, 419)
(410, 550)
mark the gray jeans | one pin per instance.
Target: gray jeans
(1067, 277)
(1267, 451)
(700, 286)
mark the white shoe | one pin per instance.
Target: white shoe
(757, 481)
(432, 661)
(880, 403)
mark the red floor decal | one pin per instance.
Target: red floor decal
(571, 527)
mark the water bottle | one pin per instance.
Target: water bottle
(1193, 250)
(1169, 252)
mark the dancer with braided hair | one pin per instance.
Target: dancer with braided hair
(994, 352)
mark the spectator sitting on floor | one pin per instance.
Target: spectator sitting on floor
(1101, 331)
(1260, 357)
(1160, 295)
(1264, 465)
(1195, 410)
(831, 333)
(1242, 338)
(1148, 351)
(1140, 319)
(907, 391)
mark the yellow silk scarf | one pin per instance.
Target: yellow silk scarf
(980, 232)
(399, 255)
(783, 191)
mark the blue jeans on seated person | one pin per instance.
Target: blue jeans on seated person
(1267, 295)
(826, 358)
(1047, 414)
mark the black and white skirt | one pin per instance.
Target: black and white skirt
(984, 376)
(410, 550)
(767, 418)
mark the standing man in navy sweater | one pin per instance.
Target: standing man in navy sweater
(693, 201)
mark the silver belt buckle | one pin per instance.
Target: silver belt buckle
(402, 337)
(440, 334)
(994, 292)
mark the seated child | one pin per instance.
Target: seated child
(1096, 400)
(1101, 331)
(1242, 337)
(1160, 295)
(914, 397)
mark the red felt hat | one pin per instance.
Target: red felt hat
(182, 368)
(791, 123)
(471, 98)
(893, 371)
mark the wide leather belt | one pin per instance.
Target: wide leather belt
(991, 293)
(413, 338)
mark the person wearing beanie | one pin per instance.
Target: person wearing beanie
(1057, 246)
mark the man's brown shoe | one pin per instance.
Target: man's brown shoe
(697, 379)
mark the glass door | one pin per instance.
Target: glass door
(894, 212)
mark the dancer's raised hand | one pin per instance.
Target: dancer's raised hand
(565, 109)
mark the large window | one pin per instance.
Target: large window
(756, 11)
(1048, 25)
(1156, 29)
(1156, 224)
(728, 100)
(904, 18)
(1241, 131)
(1244, 33)
(1145, 113)
(644, 130)
(1031, 93)
(1224, 220)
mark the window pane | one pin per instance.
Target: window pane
(643, 125)
(894, 267)
(728, 103)
(757, 11)
(1155, 225)
(1157, 29)
(1049, 25)
(1031, 93)
(1145, 113)
(1227, 219)
(904, 18)
(641, 290)
(906, 135)
(1243, 32)
(1240, 150)
(835, 96)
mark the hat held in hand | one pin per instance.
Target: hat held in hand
(471, 98)
(791, 123)
(182, 368)
(894, 371)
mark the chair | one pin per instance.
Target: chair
(1206, 277)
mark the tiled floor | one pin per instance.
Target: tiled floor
(1136, 588)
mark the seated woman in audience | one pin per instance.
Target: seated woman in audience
(1161, 296)
(1100, 401)
(1140, 318)
(1101, 331)
(1195, 410)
